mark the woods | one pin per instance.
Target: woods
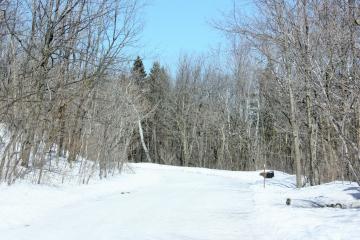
(311, 50)
(288, 97)
(283, 92)
(62, 93)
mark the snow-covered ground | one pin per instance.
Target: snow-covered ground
(153, 202)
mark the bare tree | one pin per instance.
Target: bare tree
(63, 57)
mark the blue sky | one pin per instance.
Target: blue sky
(175, 27)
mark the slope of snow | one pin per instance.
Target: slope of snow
(151, 201)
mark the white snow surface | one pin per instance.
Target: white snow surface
(150, 201)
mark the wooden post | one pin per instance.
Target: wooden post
(264, 175)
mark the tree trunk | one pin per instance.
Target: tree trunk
(295, 134)
(148, 158)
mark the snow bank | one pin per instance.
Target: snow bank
(150, 201)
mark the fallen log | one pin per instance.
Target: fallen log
(302, 203)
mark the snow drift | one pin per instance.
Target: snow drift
(151, 201)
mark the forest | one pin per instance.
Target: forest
(284, 93)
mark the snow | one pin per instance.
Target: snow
(150, 201)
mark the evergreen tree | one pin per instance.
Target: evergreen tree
(158, 81)
(159, 86)
(138, 152)
(158, 91)
(138, 70)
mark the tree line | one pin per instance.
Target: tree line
(284, 93)
(287, 98)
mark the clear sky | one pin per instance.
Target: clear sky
(175, 27)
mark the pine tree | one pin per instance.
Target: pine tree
(154, 76)
(139, 153)
(158, 84)
(138, 70)
(158, 89)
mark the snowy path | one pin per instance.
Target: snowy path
(166, 203)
